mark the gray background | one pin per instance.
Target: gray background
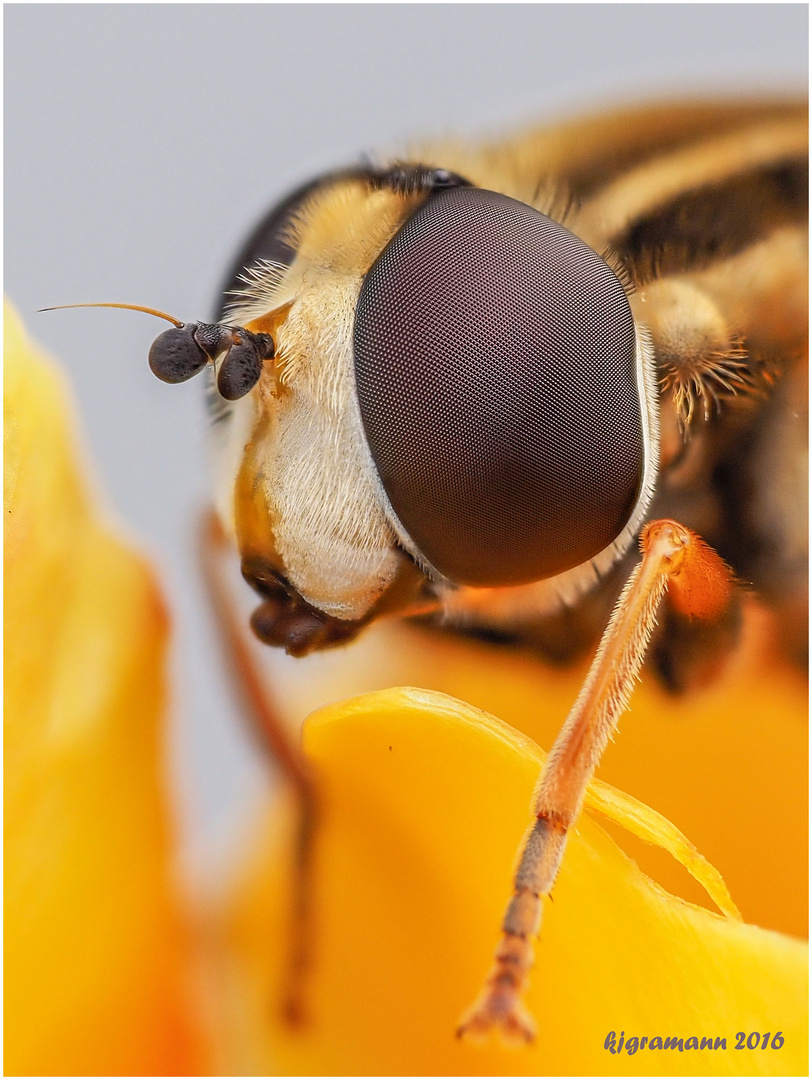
(143, 141)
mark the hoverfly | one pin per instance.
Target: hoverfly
(461, 385)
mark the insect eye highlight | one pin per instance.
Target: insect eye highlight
(496, 370)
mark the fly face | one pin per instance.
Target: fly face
(460, 397)
(298, 490)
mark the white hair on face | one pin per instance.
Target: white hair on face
(329, 516)
(319, 482)
(263, 292)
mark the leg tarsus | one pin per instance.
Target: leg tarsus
(702, 587)
(501, 1013)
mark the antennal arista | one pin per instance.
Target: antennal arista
(127, 307)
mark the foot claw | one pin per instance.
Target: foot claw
(508, 1019)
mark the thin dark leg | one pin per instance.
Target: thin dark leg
(275, 740)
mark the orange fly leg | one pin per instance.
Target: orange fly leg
(700, 585)
(276, 740)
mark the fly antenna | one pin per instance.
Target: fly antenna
(178, 354)
(128, 307)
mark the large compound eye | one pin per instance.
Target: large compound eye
(497, 378)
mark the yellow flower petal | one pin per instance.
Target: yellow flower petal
(727, 764)
(94, 949)
(425, 802)
(641, 821)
